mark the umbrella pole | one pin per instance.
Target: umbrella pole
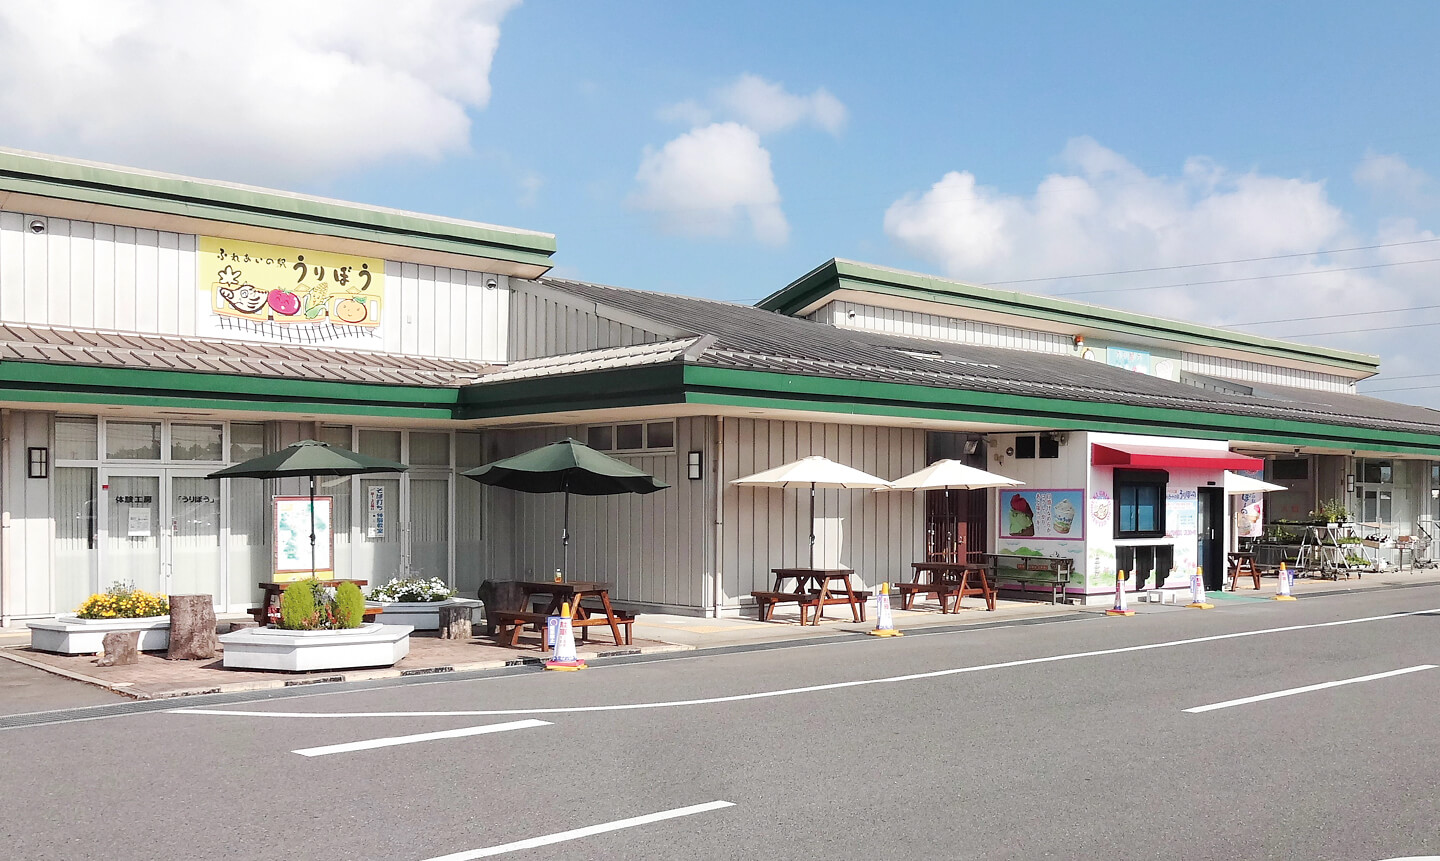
(312, 527)
(812, 524)
(565, 534)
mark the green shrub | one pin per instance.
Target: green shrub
(349, 606)
(297, 606)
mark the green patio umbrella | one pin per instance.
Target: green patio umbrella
(567, 467)
(308, 457)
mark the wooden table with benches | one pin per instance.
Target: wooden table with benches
(273, 591)
(948, 579)
(583, 616)
(1049, 571)
(814, 590)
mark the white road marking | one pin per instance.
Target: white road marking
(1320, 687)
(371, 744)
(587, 831)
(833, 686)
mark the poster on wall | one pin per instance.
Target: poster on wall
(375, 512)
(292, 538)
(1182, 521)
(1046, 515)
(296, 295)
(1250, 508)
(1131, 360)
(137, 522)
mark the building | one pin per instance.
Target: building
(155, 328)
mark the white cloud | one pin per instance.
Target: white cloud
(767, 107)
(255, 88)
(762, 105)
(1100, 213)
(1391, 178)
(708, 181)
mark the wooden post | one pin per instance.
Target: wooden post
(455, 622)
(192, 628)
(121, 647)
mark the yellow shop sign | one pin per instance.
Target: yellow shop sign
(291, 293)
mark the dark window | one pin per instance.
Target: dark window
(629, 437)
(1025, 447)
(660, 435)
(1292, 468)
(1376, 472)
(600, 438)
(1140, 503)
(1049, 446)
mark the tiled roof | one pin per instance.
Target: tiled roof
(593, 360)
(99, 348)
(754, 339)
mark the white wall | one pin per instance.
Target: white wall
(29, 532)
(104, 276)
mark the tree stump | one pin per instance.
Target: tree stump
(499, 595)
(455, 622)
(121, 647)
(192, 628)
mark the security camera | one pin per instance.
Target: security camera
(37, 226)
(491, 283)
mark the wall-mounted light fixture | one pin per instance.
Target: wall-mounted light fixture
(1350, 483)
(1079, 341)
(1435, 493)
(971, 445)
(692, 466)
(38, 461)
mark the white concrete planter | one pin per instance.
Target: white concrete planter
(370, 645)
(422, 616)
(72, 635)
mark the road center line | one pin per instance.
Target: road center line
(371, 744)
(1320, 687)
(587, 831)
(833, 686)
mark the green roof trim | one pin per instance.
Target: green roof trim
(39, 383)
(836, 274)
(196, 198)
(710, 386)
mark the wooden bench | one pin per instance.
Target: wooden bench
(765, 602)
(625, 621)
(1045, 571)
(908, 591)
(514, 620)
(861, 599)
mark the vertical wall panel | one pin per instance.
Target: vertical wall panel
(186, 281)
(82, 273)
(57, 271)
(147, 256)
(12, 266)
(167, 282)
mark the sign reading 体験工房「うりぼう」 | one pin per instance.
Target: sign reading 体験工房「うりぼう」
(290, 294)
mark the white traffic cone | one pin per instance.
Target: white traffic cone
(1283, 594)
(563, 657)
(1120, 609)
(1197, 591)
(884, 621)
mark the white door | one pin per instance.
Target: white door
(161, 531)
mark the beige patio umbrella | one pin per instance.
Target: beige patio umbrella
(948, 475)
(814, 471)
(1235, 484)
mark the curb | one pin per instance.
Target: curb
(123, 688)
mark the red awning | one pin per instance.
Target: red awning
(1159, 457)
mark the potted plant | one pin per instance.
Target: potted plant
(1332, 511)
(414, 601)
(122, 607)
(319, 628)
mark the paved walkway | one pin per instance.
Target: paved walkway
(36, 681)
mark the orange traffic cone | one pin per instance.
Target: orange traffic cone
(1120, 609)
(1283, 594)
(1197, 591)
(563, 657)
(884, 621)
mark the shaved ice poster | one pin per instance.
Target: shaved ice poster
(1046, 515)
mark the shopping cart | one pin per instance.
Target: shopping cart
(1420, 544)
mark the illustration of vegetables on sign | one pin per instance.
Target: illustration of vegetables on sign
(292, 294)
(1044, 514)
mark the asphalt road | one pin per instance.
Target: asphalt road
(1066, 740)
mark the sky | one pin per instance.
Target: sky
(1269, 166)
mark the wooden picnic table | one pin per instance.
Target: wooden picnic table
(814, 587)
(1242, 565)
(946, 579)
(574, 592)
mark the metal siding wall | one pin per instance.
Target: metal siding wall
(651, 548)
(882, 533)
(31, 532)
(932, 327)
(542, 326)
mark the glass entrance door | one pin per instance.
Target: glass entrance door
(428, 528)
(162, 532)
